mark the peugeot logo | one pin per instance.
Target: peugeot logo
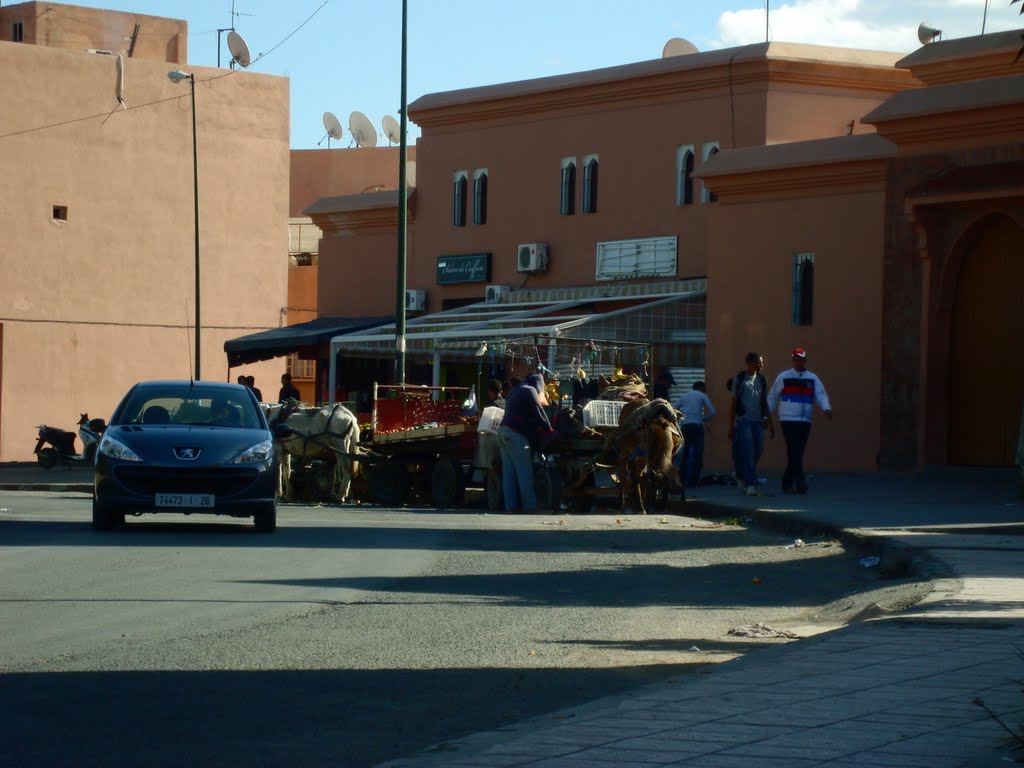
(187, 454)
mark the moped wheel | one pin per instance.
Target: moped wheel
(48, 458)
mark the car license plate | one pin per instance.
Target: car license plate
(184, 500)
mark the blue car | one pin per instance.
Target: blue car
(187, 447)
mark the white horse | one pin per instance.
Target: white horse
(327, 431)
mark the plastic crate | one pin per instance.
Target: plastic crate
(602, 413)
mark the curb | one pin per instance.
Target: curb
(48, 487)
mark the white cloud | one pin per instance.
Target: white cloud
(886, 25)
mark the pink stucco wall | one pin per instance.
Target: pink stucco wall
(749, 300)
(99, 301)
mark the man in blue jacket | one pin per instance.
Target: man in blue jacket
(794, 393)
(523, 429)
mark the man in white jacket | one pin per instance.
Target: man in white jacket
(794, 393)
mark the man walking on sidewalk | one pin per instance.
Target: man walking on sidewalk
(794, 393)
(748, 416)
(695, 407)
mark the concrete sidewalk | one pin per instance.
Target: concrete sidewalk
(894, 691)
(29, 476)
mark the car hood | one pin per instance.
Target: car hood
(165, 444)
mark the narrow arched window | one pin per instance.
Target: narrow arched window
(685, 196)
(710, 150)
(590, 168)
(459, 194)
(803, 289)
(567, 206)
(480, 196)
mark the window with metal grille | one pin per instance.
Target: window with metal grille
(625, 259)
(567, 206)
(480, 196)
(590, 168)
(301, 369)
(803, 288)
(459, 189)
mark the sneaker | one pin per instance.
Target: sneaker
(751, 490)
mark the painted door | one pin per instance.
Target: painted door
(987, 355)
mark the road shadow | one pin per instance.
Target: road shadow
(278, 718)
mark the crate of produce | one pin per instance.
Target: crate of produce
(602, 413)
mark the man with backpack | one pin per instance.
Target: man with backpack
(748, 416)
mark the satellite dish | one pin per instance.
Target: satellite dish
(678, 46)
(362, 130)
(391, 129)
(332, 125)
(926, 34)
(239, 50)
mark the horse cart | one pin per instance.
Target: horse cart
(592, 459)
(418, 444)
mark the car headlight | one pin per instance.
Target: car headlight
(115, 449)
(259, 452)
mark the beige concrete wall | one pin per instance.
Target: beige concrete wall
(92, 304)
(317, 173)
(75, 28)
(749, 301)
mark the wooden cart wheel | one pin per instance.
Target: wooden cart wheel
(495, 494)
(389, 482)
(547, 484)
(447, 483)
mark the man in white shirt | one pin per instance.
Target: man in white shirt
(695, 408)
(794, 394)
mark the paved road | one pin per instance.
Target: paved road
(353, 635)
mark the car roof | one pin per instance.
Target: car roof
(225, 385)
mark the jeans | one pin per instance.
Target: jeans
(749, 444)
(796, 434)
(691, 459)
(516, 470)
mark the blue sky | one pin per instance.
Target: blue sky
(343, 55)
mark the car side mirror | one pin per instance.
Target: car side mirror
(282, 432)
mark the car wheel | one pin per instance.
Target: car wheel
(105, 517)
(265, 518)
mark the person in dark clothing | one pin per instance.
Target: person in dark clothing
(522, 430)
(748, 416)
(288, 390)
(250, 382)
(494, 395)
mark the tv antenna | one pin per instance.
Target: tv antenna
(678, 46)
(391, 129)
(362, 130)
(333, 127)
(231, 29)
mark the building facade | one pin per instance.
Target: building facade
(97, 209)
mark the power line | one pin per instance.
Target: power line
(74, 120)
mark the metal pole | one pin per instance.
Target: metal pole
(403, 206)
(195, 196)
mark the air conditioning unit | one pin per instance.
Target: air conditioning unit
(533, 257)
(415, 301)
(495, 292)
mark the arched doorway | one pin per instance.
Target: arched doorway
(987, 349)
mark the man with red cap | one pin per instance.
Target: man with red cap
(794, 393)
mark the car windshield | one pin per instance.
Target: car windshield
(191, 405)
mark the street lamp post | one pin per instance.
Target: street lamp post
(403, 203)
(178, 76)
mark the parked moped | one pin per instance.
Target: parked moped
(55, 445)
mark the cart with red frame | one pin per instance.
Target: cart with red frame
(419, 444)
